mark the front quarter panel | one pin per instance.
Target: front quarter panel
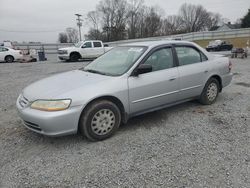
(114, 87)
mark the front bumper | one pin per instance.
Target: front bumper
(63, 57)
(57, 123)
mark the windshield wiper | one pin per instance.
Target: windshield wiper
(95, 71)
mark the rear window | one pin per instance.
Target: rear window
(97, 44)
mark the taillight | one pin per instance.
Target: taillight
(230, 66)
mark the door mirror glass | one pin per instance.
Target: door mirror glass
(143, 68)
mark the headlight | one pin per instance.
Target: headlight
(51, 105)
(62, 51)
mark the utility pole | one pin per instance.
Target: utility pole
(79, 24)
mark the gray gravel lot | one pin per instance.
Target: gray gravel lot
(188, 145)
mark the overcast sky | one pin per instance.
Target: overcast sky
(42, 20)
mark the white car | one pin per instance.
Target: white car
(9, 55)
(83, 50)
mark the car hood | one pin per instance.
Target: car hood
(55, 86)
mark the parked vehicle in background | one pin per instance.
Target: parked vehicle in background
(219, 45)
(125, 82)
(83, 50)
(7, 44)
(239, 52)
(10, 55)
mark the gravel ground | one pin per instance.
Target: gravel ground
(188, 145)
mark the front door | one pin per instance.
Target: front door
(87, 50)
(156, 88)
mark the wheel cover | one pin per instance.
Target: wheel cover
(9, 59)
(103, 122)
(212, 91)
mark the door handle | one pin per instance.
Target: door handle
(206, 71)
(172, 79)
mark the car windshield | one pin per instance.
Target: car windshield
(78, 45)
(116, 61)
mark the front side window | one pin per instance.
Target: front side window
(97, 44)
(87, 45)
(3, 49)
(161, 59)
(188, 55)
(116, 61)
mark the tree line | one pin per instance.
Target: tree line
(121, 19)
(114, 20)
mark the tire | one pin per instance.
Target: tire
(74, 57)
(9, 59)
(100, 120)
(210, 92)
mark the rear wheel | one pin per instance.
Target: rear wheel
(100, 120)
(210, 92)
(9, 59)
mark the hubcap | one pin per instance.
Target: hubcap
(212, 91)
(9, 59)
(103, 122)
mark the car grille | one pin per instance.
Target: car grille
(32, 126)
(24, 102)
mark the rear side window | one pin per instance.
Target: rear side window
(188, 55)
(97, 44)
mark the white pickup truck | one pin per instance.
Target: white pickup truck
(83, 50)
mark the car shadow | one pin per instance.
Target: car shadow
(156, 118)
(147, 121)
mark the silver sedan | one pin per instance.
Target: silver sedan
(127, 81)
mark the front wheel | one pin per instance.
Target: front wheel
(100, 120)
(210, 92)
(74, 57)
(9, 59)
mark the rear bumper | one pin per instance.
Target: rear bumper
(226, 79)
(63, 57)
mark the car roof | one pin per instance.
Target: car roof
(153, 44)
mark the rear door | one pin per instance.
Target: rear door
(156, 88)
(193, 71)
(98, 48)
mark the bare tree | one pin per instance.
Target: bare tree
(213, 21)
(171, 25)
(194, 17)
(93, 18)
(62, 37)
(113, 15)
(95, 35)
(72, 35)
(152, 23)
(133, 17)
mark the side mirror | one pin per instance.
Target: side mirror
(143, 68)
(84, 46)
